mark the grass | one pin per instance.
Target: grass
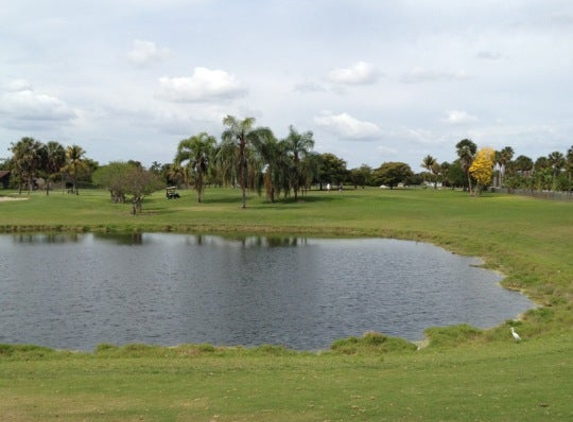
(464, 373)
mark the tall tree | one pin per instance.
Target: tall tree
(26, 161)
(298, 146)
(276, 167)
(393, 173)
(503, 158)
(569, 164)
(75, 165)
(174, 174)
(197, 152)
(226, 167)
(311, 165)
(54, 159)
(523, 165)
(332, 170)
(466, 150)
(361, 176)
(433, 167)
(557, 161)
(482, 168)
(244, 135)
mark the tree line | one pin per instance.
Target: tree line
(32, 159)
(250, 157)
(485, 167)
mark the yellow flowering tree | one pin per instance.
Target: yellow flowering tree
(482, 168)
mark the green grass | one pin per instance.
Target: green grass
(530, 381)
(464, 373)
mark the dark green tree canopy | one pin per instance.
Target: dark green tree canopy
(393, 173)
(332, 170)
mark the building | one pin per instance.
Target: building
(4, 179)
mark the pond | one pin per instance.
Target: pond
(75, 291)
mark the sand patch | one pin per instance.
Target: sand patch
(10, 198)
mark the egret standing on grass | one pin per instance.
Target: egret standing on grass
(515, 335)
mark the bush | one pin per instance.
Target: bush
(105, 347)
(273, 350)
(452, 336)
(24, 350)
(371, 342)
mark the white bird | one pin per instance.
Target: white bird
(515, 335)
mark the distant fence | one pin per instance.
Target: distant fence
(558, 196)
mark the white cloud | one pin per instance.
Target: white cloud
(387, 151)
(21, 104)
(488, 55)
(204, 85)
(18, 85)
(360, 73)
(561, 18)
(146, 52)
(309, 87)
(419, 75)
(459, 117)
(347, 126)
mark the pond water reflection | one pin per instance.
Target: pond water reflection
(78, 290)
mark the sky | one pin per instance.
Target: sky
(374, 80)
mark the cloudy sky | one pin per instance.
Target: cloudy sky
(374, 80)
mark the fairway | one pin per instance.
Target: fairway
(463, 374)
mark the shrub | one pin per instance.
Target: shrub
(105, 347)
(24, 350)
(273, 350)
(452, 336)
(371, 342)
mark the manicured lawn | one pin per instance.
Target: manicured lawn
(464, 374)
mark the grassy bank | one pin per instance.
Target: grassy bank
(531, 381)
(464, 374)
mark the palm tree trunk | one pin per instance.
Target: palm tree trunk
(243, 160)
(199, 186)
(470, 184)
(244, 183)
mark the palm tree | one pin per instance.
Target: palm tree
(557, 161)
(242, 134)
(75, 164)
(446, 172)
(311, 169)
(569, 164)
(275, 165)
(174, 174)
(197, 151)
(26, 160)
(432, 165)
(524, 165)
(225, 169)
(502, 159)
(466, 150)
(54, 158)
(298, 146)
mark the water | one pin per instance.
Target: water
(77, 291)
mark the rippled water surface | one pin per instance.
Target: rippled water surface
(77, 291)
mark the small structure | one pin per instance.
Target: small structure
(171, 193)
(4, 179)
